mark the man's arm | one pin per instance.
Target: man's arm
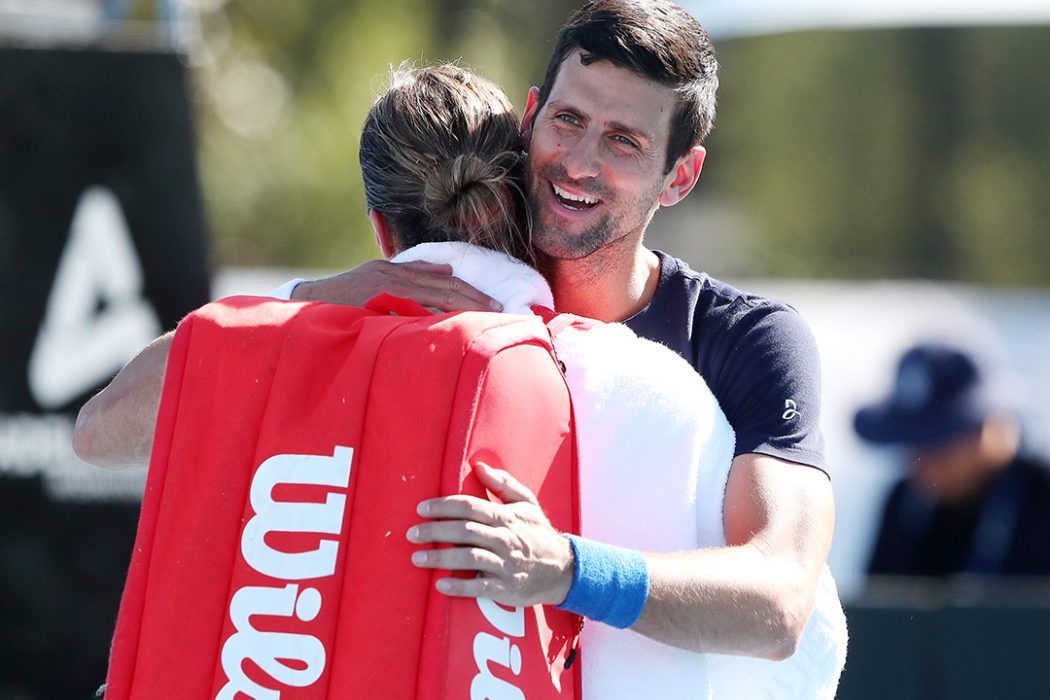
(428, 284)
(115, 427)
(753, 597)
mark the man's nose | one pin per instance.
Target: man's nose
(582, 159)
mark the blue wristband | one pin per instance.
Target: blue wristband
(610, 584)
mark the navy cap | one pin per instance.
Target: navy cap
(941, 392)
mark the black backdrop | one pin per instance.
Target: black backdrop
(964, 639)
(73, 121)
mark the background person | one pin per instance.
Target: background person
(971, 501)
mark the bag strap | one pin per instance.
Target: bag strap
(557, 322)
(554, 321)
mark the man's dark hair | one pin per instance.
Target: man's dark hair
(659, 41)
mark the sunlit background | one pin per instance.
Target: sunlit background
(892, 182)
(844, 154)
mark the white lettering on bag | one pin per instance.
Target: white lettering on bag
(276, 516)
(272, 651)
(489, 648)
(511, 622)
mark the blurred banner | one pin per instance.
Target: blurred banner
(102, 247)
(725, 19)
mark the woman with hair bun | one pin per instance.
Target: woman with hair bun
(442, 160)
(441, 157)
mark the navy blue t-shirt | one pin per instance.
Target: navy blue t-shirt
(757, 356)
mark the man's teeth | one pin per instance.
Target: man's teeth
(586, 201)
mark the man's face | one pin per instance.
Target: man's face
(597, 152)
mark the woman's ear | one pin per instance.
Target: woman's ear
(384, 237)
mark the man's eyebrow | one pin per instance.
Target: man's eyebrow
(559, 106)
(632, 131)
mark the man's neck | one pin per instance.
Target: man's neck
(607, 285)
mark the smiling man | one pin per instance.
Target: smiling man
(613, 133)
(598, 140)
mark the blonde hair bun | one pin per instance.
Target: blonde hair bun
(470, 193)
(441, 158)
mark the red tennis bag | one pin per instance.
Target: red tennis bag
(293, 444)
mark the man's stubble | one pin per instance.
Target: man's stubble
(615, 226)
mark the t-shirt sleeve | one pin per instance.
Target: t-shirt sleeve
(768, 385)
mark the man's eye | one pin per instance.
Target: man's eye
(568, 119)
(625, 141)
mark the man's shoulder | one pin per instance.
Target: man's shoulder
(677, 276)
(758, 356)
(710, 301)
(715, 325)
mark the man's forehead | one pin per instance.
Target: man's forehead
(617, 96)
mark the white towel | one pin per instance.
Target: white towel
(508, 280)
(655, 451)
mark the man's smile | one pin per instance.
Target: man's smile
(575, 202)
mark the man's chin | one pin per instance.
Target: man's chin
(557, 244)
(560, 251)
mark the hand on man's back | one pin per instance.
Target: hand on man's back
(428, 284)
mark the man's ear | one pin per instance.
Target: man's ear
(529, 117)
(682, 179)
(384, 236)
